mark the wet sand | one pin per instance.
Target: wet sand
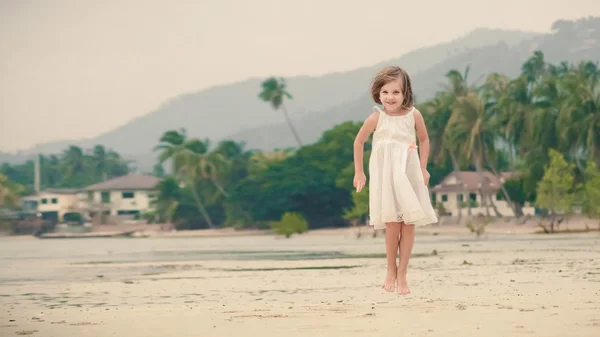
(316, 284)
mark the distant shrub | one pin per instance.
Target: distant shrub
(478, 228)
(290, 223)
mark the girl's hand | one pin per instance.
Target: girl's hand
(426, 176)
(360, 179)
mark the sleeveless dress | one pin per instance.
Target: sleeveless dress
(397, 191)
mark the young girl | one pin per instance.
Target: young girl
(398, 194)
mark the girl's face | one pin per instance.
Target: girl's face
(391, 95)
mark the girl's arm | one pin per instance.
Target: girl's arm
(359, 142)
(423, 139)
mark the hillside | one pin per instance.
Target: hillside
(213, 113)
(321, 102)
(568, 42)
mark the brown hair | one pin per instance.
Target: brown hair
(387, 75)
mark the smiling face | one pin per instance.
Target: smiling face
(392, 88)
(391, 95)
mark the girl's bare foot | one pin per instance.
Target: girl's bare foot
(390, 281)
(402, 284)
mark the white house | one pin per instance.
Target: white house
(126, 195)
(122, 197)
(54, 203)
(464, 189)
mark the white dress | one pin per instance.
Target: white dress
(397, 191)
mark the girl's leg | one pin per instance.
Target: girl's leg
(392, 229)
(407, 240)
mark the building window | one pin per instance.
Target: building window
(105, 197)
(55, 200)
(473, 196)
(444, 197)
(127, 195)
(44, 201)
(459, 197)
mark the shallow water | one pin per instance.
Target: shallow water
(31, 260)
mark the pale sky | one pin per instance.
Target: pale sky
(74, 69)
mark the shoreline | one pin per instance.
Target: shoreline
(496, 228)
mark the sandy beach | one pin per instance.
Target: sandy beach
(325, 283)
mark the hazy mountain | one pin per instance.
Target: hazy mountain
(234, 111)
(222, 110)
(569, 41)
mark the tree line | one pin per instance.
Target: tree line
(525, 125)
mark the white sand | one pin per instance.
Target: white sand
(501, 285)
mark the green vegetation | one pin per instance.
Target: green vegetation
(479, 226)
(555, 190)
(290, 223)
(9, 192)
(71, 169)
(543, 125)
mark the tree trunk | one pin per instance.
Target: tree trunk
(483, 188)
(517, 210)
(498, 214)
(458, 176)
(289, 121)
(201, 207)
(219, 187)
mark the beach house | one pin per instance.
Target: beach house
(127, 195)
(54, 203)
(462, 191)
(121, 198)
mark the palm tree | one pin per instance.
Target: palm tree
(438, 112)
(210, 164)
(167, 200)
(73, 161)
(579, 119)
(473, 128)
(99, 161)
(51, 174)
(518, 106)
(441, 111)
(107, 164)
(274, 92)
(190, 170)
(231, 163)
(171, 143)
(176, 147)
(492, 94)
(192, 162)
